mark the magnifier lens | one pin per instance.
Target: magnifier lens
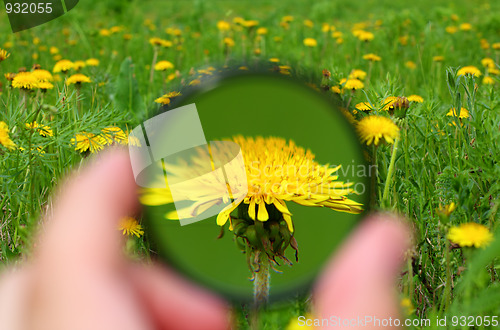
(268, 160)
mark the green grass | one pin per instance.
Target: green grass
(437, 163)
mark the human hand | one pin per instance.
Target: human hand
(79, 277)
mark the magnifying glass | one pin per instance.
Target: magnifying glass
(249, 182)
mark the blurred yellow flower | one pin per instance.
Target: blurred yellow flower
(163, 66)
(310, 42)
(43, 130)
(464, 113)
(3, 55)
(357, 74)
(470, 234)
(78, 65)
(92, 62)
(78, 79)
(469, 70)
(351, 84)
(262, 31)
(488, 62)
(438, 58)
(5, 138)
(415, 98)
(130, 226)
(488, 80)
(229, 42)
(363, 106)
(410, 65)
(223, 26)
(42, 75)
(451, 29)
(465, 27)
(63, 66)
(372, 57)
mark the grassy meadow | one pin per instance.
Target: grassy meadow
(442, 171)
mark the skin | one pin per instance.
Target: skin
(79, 278)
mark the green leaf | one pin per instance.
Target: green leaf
(127, 97)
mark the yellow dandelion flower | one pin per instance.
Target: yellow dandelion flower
(464, 113)
(287, 19)
(465, 26)
(363, 106)
(374, 129)
(113, 134)
(470, 234)
(229, 42)
(53, 50)
(130, 226)
(194, 82)
(295, 325)
(63, 66)
(160, 42)
(337, 34)
(223, 26)
(127, 36)
(310, 42)
(488, 62)
(496, 46)
(163, 100)
(388, 102)
(337, 90)
(262, 31)
(446, 210)
(494, 71)
(42, 75)
(366, 36)
(325, 27)
(250, 23)
(43, 130)
(9, 76)
(78, 79)
(92, 62)
(3, 55)
(308, 23)
(116, 29)
(351, 84)
(469, 70)
(25, 80)
(403, 40)
(372, 57)
(451, 29)
(415, 98)
(274, 60)
(357, 74)
(163, 66)
(78, 65)
(104, 33)
(5, 138)
(488, 80)
(410, 65)
(438, 58)
(297, 177)
(45, 85)
(85, 141)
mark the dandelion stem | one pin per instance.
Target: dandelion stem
(390, 172)
(262, 281)
(373, 176)
(153, 63)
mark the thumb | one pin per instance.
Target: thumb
(359, 282)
